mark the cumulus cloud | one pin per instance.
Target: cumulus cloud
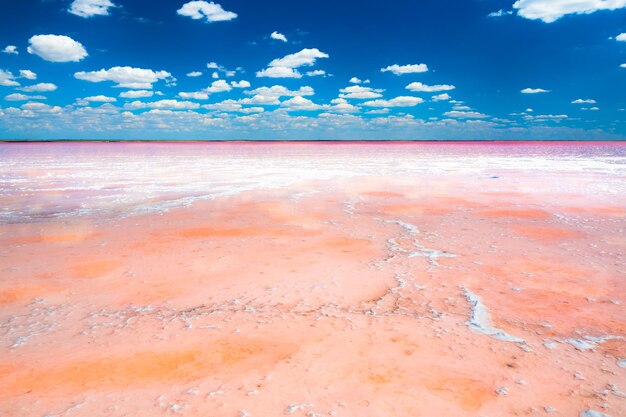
(584, 101)
(315, 73)
(621, 37)
(419, 87)
(194, 74)
(465, 114)
(285, 67)
(28, 74)
(405, 69)
(278, 36)
(100, 99)
(401, 101)
(7, 79)
(279, 72)
(221, 69)
(355, 80)
(211, 12)
(270, 95)
(196, 95)
(22, 97)
(299, 103)
(136, 94)
(442, 97)
(534, 91)
(41, 87)
(305, 57)
(500, 13)
(162, 104)
(281, 91)
(240, 84)
(215, 87)
(341, 105)
(10, 49)
(623, 66)
(359, 92)
(545, 117)
(233, 106)
(56, 48)
(89, 8)
(550, 11)
(218, 87)
(126, 77)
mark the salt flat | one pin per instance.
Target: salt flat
(398, 279)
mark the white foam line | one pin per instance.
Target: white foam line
(480, 320)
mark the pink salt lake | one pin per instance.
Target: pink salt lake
(311, 279)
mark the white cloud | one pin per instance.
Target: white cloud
(126, 77)
(442, 97)
(262, 100)
(401, 101)
(28, 74)
(270, 95)
(315, 73)
(215, 87)
(551, 10)
(285, 67)
(342, 106)
(211, 12)
(56, 48)
(591, 108)
(41, 108)
(41, 87)
(544, 117)
(281, 91)
(584, 101)
(100, 99)
(278, 36)
(305, 57)
(405, 69)
(534, 91)
(196, 95)
(301, 104)
(162, 104)
(623, 66)
(355, 80)
(357, 91)
(621, 37)
(240, 84)
(11, 49)
(419, 87)
(22, 97)
(194, 74)
(500, 13)
(465, 114)
(233, 106)
(136, 94)
(7, 79)
(279, 72)
(89, 8)
(218, 87)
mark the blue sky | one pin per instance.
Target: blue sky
(232, 69)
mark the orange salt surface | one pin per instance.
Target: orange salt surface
(387, 295)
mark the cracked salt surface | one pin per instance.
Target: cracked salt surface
(480, 320)
(433, 255)
(590, 342)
